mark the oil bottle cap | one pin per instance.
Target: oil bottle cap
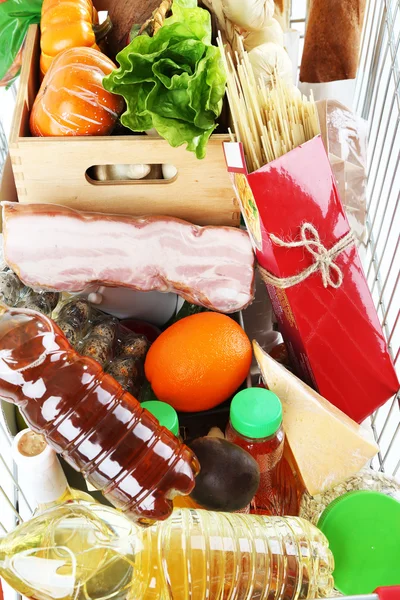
(363, 530)
(41, 474)
(256, 413)
(165, 414)
(29, 450)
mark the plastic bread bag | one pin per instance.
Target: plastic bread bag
(345, 138)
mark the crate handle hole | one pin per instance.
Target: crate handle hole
(129, 174)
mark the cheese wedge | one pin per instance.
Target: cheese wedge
(327, 445)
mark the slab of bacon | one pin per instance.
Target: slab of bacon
(56, 248)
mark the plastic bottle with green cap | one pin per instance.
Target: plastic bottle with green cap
(165, 414)
(255, 425)
(168, 418)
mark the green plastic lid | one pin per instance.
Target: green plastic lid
(165, 414)
(363, 530)
(256, 413)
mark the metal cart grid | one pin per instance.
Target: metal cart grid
(377, 99)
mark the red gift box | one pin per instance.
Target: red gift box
(326, 314)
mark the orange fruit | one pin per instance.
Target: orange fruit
(198, 362)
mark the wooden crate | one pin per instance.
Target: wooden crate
(54, 169)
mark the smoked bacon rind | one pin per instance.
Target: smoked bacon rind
(57, 248)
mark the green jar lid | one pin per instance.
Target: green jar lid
(256, 413)
(165, 414)
(363, 531)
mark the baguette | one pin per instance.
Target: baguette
(332, 40)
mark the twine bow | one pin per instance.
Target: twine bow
(331, 274)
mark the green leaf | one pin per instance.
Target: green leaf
(15, 18)
(186, 3)
(173, 82)
(177, 133)
(187, 309)
(197, 20)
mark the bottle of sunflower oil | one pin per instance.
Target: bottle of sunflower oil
(92, 552)
(40, 472)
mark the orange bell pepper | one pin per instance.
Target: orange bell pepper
(65, 24)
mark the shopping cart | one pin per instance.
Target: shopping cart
(377, 100)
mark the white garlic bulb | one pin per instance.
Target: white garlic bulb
(249, 14)
(169, 171)
(272, 32)
(268, 59)
(152, 132)
(120, 172)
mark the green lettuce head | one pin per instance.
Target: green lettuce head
(173, 82)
